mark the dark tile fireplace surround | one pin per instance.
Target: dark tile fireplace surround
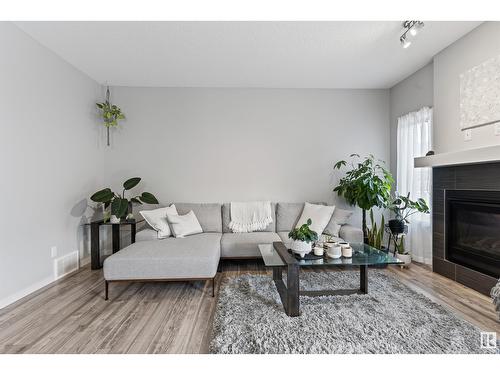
(466, 224)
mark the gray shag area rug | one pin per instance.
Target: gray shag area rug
(495, 294)
(392, 318)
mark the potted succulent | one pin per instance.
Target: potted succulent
(401, 252)
(302, 237)
(403, 207)
(121, 207)
(367, 184)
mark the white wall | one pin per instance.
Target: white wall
(474, 48)
(50, 160)
(409, 95)
(221, 145)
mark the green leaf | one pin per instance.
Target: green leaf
(102, 196)
(119, 207)
(148, 198)
(131, 182)
(135, 200)
(339, 164)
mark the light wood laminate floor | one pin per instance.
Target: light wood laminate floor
(71, 316)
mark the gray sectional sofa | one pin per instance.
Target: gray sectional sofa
(197, 257)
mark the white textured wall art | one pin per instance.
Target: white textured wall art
(480, 94)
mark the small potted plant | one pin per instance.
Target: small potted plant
(403, 207)
(401, 252)
(121, 207)
(302, 237)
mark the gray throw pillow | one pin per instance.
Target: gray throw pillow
(340, 217)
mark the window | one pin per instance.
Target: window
(414, 139)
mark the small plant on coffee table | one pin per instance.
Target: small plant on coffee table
(304, 233)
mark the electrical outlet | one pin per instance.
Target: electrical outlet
(53, 251)
(468, 135)
(497, 129)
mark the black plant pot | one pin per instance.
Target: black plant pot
(397, 226)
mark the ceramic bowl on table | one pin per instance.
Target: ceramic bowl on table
(334, 252)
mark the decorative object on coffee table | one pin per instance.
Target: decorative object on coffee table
(121, 206)
(319, 251)
(334, 252)
(367, 184)
(347, 251)
(302, 237)
(110, 114)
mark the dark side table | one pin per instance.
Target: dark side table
(95, 251)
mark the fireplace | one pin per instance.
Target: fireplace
(472, 230)
(466, 224)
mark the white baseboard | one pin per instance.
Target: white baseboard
(84, 261)
(34, 287)
(23, 293)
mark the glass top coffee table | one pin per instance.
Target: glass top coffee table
(278, 257)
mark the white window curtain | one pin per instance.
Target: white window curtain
(414, 137)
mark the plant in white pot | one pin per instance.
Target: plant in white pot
(402, 254)
(302, 239)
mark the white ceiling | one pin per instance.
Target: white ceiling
(245, 54)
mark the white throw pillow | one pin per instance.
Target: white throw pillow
(157, 219)
(184, 225)
(319, 214)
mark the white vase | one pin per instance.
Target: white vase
(406, 258)
(334, 252)
(301, 247)
(114, 219)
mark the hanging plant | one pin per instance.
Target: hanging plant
(110, 114)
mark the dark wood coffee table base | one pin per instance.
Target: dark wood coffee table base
(290, 293)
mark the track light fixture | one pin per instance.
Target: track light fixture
(404, 42)
(412, 28)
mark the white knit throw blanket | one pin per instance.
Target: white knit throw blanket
(495, 294)
(250, 216)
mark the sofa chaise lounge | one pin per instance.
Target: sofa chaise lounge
(197, 257)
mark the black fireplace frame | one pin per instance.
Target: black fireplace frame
(476, 176)
(473, 196)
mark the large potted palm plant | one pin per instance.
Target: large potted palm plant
(366, 184)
